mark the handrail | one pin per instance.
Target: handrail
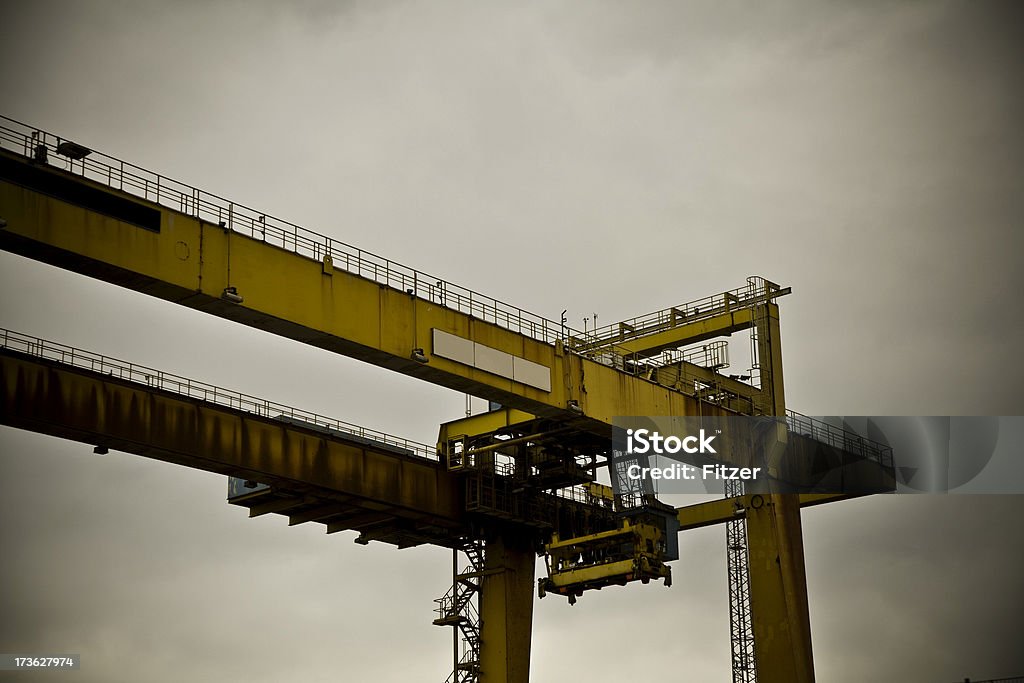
(44, 147)
(757, 290)
(183, 386)
(839, 438)
(126, 177)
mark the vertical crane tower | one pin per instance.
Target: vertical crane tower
(500, 487)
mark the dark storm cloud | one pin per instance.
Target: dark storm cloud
(594, 156)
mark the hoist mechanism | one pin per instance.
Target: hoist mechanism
(529, 473)
(637, 549)
(635, 552)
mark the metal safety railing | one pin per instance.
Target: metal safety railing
(757, 290)
(598, 345)
(713, 355)
(208, 393)
(843, 439)
(120, 175)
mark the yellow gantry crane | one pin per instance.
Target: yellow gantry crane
(497, 488)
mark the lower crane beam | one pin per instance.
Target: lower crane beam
(74, 403)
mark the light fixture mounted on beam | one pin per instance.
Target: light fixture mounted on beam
(73, 150)
(231, 294)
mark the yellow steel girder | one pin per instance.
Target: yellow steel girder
(482, 423)
(506, 609)
(594, 573)
(689, 333)
(193, 262)
(97, 409)
(725, 510)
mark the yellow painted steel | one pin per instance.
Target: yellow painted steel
(726, 509)
(688, 333)
(192, 262)
(769, 350)
(482, 423)
(778, 582)
(778, 590)
(681, 371)
(594, 573)
(506, 609)
(633, 552)
(96, 409)
(712, 512)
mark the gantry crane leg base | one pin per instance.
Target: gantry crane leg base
(778, 590)
(506, 610)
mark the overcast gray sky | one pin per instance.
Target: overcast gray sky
(600, 157)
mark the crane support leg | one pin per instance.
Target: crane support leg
(778, 590)
(506, 610)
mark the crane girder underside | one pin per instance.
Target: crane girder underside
(306, 473)
(296, 469)
(306, 467)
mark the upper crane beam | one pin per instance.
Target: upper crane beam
(307, 287)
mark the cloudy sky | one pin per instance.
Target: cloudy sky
(600, 157)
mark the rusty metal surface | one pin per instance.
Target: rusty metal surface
(73, 403)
